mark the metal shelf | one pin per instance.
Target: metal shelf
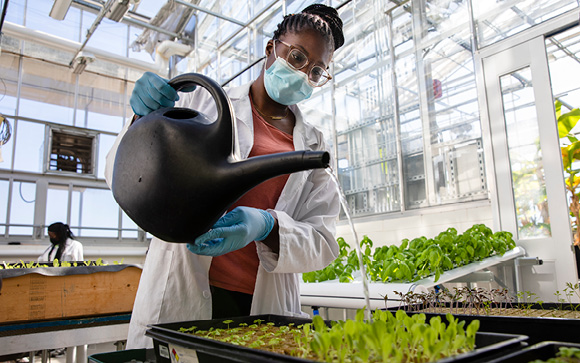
(334, 294)
(34, 336)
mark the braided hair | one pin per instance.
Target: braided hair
(63, 232)
(324, 19)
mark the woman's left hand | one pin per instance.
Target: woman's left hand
(233, 231)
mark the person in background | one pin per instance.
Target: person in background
(63, 245)
(249, 262)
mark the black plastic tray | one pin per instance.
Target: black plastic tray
(542, 351)
(489, 345)
(538, 329)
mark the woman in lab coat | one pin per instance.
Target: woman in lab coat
(63, 245)
(249, 262)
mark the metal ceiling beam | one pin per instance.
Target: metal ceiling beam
(207, 11)
(563, 48)
(55, 42)
(236, 33)
(250, 22)
(130, 18)
(143, 24)
(92, 29)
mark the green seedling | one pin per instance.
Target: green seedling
(564, 355)
(386, 337)
(416, 259)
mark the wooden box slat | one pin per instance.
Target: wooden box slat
(38, 297)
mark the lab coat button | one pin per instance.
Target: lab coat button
(206, 294)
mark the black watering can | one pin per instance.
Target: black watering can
(175, 173)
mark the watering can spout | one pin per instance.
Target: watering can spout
(175, 175)
(250, 172)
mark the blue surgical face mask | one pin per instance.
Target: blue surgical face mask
(285, 84)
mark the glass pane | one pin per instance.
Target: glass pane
(347, 108)
(565, 76)
(455, 127)
(565, 67)
(368, 167)
(75, 212)
(105, 144)
(411, 131)
(37, 18)
(96, 211)
(445, 18)
(16, 13)
(318, 111)
(110, 35)
(22, 208)
(47, 92)
(402, 30)
(100, 103)
(525, 155)
(149, 8)
(4, 185)
(129, 227)
(56, 204)
(497, 20)
(29, 153)
(6, 150)
(8, 84)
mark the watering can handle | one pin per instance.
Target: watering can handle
(225, 112)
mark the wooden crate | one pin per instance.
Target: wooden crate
(35, 296)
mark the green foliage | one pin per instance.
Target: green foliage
(191, 329)
(344, 265)
(570, 155)
(56, 263)
(418, 258)
(387, 338)
(564, 355)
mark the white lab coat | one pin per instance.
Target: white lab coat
(73, 251)
(174, 284)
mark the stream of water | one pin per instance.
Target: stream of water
(344, 204)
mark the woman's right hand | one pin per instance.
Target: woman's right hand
(151, 93)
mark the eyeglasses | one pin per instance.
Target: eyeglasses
(317, 76)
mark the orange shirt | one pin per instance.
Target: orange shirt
(236, 271)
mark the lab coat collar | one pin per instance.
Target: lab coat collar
(305, 138)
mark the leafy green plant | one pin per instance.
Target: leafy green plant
(415, 259)
(55, 263)
(387, 337)
(344, 265)
(475, 301)
(570, 291)
(564, 355)
(570, 154)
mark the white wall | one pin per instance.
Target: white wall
(392, 228)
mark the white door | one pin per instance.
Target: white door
(530, 196)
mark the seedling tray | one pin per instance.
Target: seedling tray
(542, 351)
(538, 329)
(169, 343)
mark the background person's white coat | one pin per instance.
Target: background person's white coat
(73, 251)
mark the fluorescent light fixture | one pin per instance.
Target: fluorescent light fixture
(117, 9)
(82, 61)
(59, 9)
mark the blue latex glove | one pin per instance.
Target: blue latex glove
(234, 231)
(152, 92)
